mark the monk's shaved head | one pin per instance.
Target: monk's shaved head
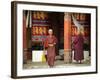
(50, 31)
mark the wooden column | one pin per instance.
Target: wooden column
(29, 41)
(24, 39)
(67, 37)
(26, 36)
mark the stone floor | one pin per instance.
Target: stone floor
(58, 64)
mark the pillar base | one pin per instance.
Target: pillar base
(68, 56)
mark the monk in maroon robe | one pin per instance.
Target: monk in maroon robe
(78, 47)
(50, 43)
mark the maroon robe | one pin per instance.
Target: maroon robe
(78, 48)
(50, 49)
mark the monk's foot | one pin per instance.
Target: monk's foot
(51, 66)
(77, 62)
(80, 62)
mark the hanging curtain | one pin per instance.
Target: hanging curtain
(77, 24)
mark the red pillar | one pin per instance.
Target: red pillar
(67, 37)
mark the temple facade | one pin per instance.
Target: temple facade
(35, 30)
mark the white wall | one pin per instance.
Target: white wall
(5, 40)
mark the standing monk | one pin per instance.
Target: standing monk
(50, 43)
(78, 47)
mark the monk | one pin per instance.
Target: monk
(78, 47)
(50, 43)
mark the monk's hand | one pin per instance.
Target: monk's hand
(51, 45)
(54, 43)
